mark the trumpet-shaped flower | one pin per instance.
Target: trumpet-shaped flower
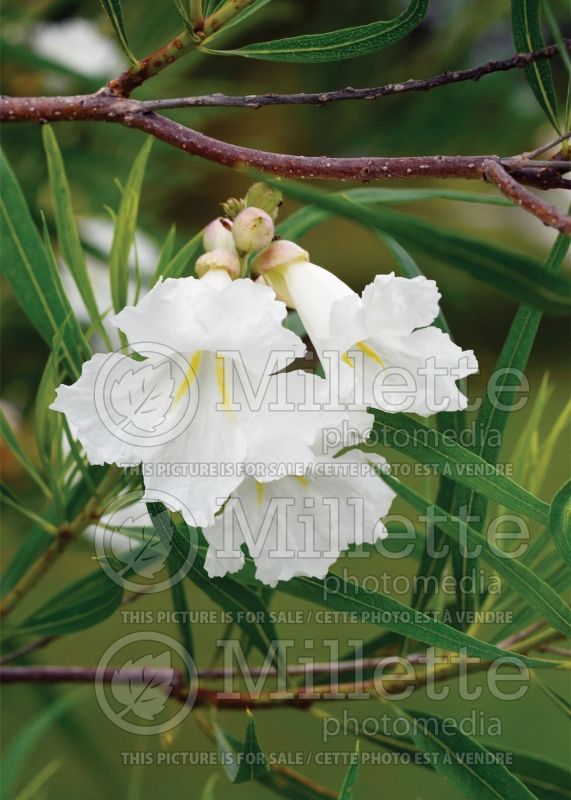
(380, 348)
(201, 404)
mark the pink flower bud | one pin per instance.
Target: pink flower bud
(218, 259)
(279, 254)
(218, 235)
(253, 229)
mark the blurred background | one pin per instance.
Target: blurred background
(67, 47)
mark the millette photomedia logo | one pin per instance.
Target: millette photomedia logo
(151, 686)
(146, 394)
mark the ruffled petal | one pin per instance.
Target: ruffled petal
(399, 305)
(118, 406)
(190, 315)
(298, 527)
(424, 367)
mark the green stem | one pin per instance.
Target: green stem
(196, 14)
(153, 64)
(225, 14)
(64, 535)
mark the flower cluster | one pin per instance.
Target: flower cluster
(208, 400)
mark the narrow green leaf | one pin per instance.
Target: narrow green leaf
(430, 446)
(8, 498)
(515, 274)
(335, 45)
(177, 589)
(465, 762)
(25, 742)
(226, 592)
(303, 220)
(35, 281)
(526, 27)
(546, 778)
(125, 227)
(37, 541)
(68, 235)
(165, 255)
(250, 762)
(45, 419)
(560, 521)
(83, 604)
(559, 701)
(35, 544)
(336, 594)
(10, 439)
(256, 6)
(208, 791)
(513, 358)
(535, 591)
(350, 779)
(114, 12)
(179, 264)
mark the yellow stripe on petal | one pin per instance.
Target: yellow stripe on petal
(259, 493)
(303, 480)
(368, 351)
(190, 375)
(220, 380)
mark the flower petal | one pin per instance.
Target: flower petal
(399, 305)
(190, 315)
(295, 526)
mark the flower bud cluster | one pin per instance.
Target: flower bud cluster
(249, 227)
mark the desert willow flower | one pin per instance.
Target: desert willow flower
(379, 348)
(196, 399)
(299, 525)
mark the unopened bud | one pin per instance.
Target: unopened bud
(218, 235)
(269, 199)
(279, 254)
(233, 206)
(218, 259)
(253, 229)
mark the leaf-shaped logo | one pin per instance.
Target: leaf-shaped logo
(145, 556)
(147, 698)
(142, 396)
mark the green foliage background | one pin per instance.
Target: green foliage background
(496, 115)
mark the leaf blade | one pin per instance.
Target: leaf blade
(336, 45)
(114, 13)
(527, 35)
(125, 227)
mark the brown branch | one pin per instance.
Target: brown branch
(547, 213)
(111, 104)
(255, 101)
(298, 697)
(107, 108)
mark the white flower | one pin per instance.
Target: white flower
(380, 347)
(177, 412)
(299, 525)
(78, 45)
